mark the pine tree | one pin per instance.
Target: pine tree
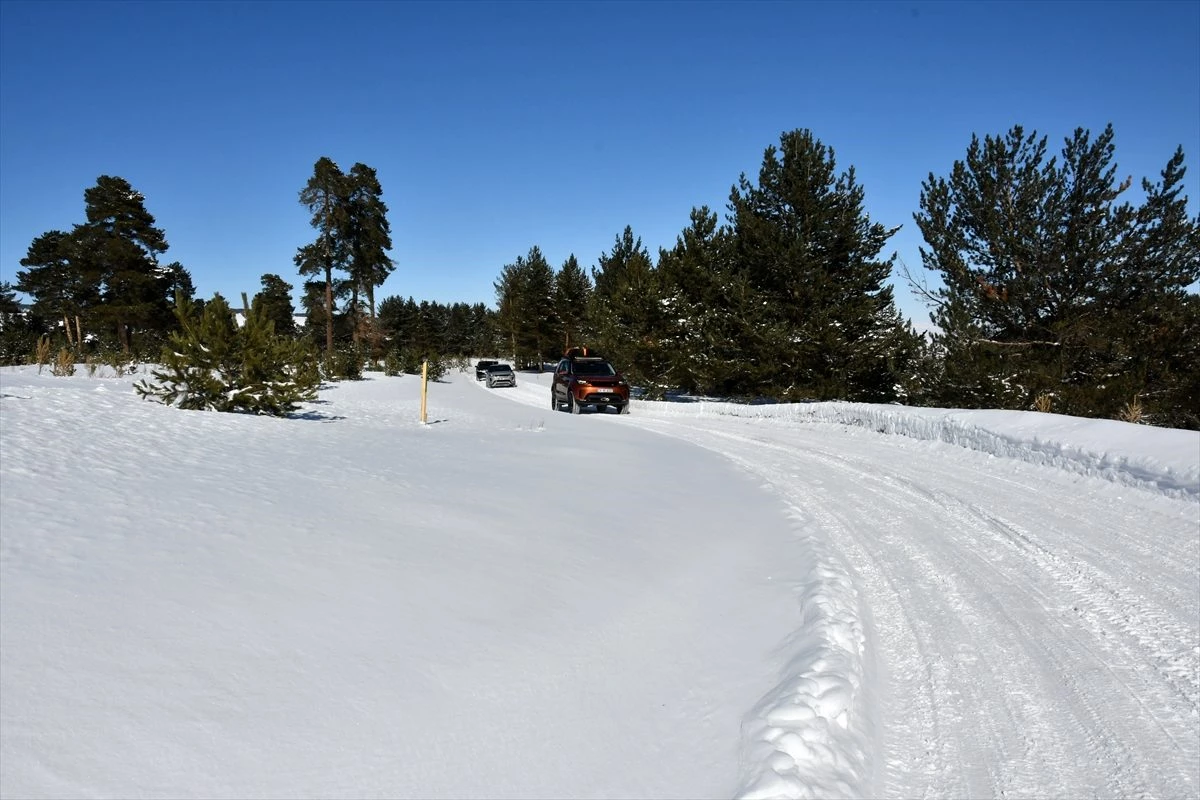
(323, 197)
(197, 363)
(317, 319)
(511, 296)
(625, 311)
(458, 331)
(120, 244)
(9, 307)
(572, 293)
(1052, 290)
(55, 281)
(484, 337)
(212, 365)
(397, 317)
(808, 250)
(542, 323)
(367, 234)
(105, 274)
(430, 329)
(276, 297)
(525, 299)
(353, 236)
(1160, 311)
(704, 331)
(276, 373)
(177, 281)
(19, 330)
(312, 301)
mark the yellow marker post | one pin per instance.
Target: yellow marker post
(424, 387)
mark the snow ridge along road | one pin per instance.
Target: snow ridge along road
(974, 625)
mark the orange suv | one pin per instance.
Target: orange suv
(586, 379)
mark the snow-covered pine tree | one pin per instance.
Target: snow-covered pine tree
(211, 365)
(193, 363)
(276, 373)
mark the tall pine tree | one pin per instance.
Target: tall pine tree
(572, 292)
(542, 322)
(104, 275)
(809, 251)
(527, 314)
(625, 311)
(709, 336)
(1051, 290)
(121, 244)
(368, 233)
(323, 197)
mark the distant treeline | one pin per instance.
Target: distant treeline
(1049, 291)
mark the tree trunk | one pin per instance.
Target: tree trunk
(328, 309)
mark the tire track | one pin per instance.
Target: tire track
(1000, 648)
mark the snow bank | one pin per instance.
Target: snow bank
(812, 735)
(1157, 459)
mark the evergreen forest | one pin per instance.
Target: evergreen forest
(1054, 285)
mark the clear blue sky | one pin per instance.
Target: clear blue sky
(498, 126)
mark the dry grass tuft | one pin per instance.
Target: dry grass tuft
(64, 364)
(1043, 402)
(1133, 412)
(41, 353)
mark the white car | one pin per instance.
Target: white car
(500, 375)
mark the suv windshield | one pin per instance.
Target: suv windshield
(594, 368)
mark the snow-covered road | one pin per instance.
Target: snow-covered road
(1020, 631)
(693, 600)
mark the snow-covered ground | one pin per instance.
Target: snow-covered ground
(694, 600)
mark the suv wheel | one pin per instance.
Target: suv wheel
(573, 404)
(623, 409)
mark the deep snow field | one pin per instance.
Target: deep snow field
(693, 600)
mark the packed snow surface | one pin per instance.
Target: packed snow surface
(693, 600)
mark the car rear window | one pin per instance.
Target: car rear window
(594, 368)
